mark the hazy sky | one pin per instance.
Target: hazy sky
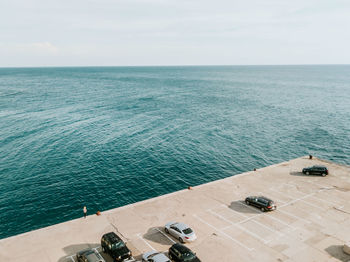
(173, 32)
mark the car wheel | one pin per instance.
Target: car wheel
(181, 240)
(324, 174)
(247, 202)
(166, 230)
(262, 209)
(307, 173)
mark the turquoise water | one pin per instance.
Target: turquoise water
(106, 137)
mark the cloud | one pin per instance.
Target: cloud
(174, 32)
(44, 48)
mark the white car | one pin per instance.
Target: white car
(180, 231)
(154, 256)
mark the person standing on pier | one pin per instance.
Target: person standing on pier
(85, 211)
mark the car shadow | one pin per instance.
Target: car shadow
(296, 173)
(72, 250)
(337, 252)
(241, 206)
(158, 235)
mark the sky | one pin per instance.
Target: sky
(173, 32)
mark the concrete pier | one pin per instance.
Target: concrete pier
(311, 223)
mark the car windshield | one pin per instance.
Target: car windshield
(187, 231)
(117, 245)
(188, 256)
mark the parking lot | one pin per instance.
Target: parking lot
(311, 222)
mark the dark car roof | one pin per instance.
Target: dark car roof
(112, 237)
(261, 197)
(320, 166)
(265, 198)
(181, 248)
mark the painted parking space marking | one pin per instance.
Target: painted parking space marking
(300, 198)
(71, 257)
(280, 221)
(289, 195)
(267, 216)
(319, 185)
(268, 228)
(306, 197)
(306, 202)
(223, 233)
(328, 194)
(294, 216)
(240, 227)
(325, 201)
(157, 229)
(257, 215)
(146, 242)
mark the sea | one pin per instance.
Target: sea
(105, 137)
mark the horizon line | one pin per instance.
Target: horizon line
(191, 65)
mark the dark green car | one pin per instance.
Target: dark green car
(114, 246)
(181, 253)
(315, 170)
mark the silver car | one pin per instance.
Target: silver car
(180, 231)
(89, 255)
(154, 256)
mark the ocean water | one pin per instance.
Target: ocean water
(105, 137)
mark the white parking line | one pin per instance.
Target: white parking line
(320, 208)
(71, 257)
(226, 235)
(268, 228)
(303, 199)
(282, 193)
(300, 198)
(319, 185)
(282, 222)
(325, 201)
(291, 215)
(240, 227)
(278, 220)
(140, 237)
(165, 235)
(328, 194)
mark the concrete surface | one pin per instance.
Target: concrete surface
(311, 223)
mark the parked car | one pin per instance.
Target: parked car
(180, 231)
(114, 246)
(261, 202)
(89, 255)
(154, 256)
(181, 253)
(315, 170)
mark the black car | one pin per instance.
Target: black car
(315, 170)
(89, 255)
(181, 253)
(113, 245)
(261, 202)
